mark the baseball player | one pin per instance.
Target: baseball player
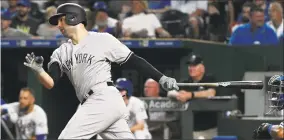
(30, 119)
(266, 130)
(138, 116)
(86, 59)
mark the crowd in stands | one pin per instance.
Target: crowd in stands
(243, 22)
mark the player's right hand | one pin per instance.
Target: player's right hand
(34, 62)
(168, 83)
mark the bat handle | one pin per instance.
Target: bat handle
(39, 59)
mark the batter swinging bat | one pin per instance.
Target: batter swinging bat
(229, 84)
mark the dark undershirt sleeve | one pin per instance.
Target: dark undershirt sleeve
(143, 66)
(54, 72)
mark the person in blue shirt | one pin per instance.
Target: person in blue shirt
(256, 32)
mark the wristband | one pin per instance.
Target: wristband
(269, 128)
(38, 71)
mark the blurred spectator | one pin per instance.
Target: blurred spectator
(244, 17)
(101, 6)
(230, 9)
(263, 4)
(4, 5)
(276, 18)
(7, 31)
(256, 32)
(125, 12)
(176, 23)
(152, 89)
(23, 21)
(103, 23)
(47, 30)
(120, 8)
(40, 4)
(193, 8)
(141, 24)
(49, 3)
(90, 18)
(196, 11)
(36, 12)
(205, 122)
(12, 7)
(216, 25)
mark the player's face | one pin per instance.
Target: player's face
(151, 89)
(25, 99)
(65, 29)
(123, 94)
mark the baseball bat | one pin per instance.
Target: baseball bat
(228, 84)
(7, 130)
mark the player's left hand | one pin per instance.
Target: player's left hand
(262, 132)
(168, 83)
(34, 62)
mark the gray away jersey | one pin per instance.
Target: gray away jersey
(87, 64)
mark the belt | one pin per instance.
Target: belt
(91, 92)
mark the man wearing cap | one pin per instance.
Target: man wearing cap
(23, 21)
(103, 23)
(205, 123)
(7, 31)
(101, 6)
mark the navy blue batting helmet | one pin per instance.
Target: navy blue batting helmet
(124, 84)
